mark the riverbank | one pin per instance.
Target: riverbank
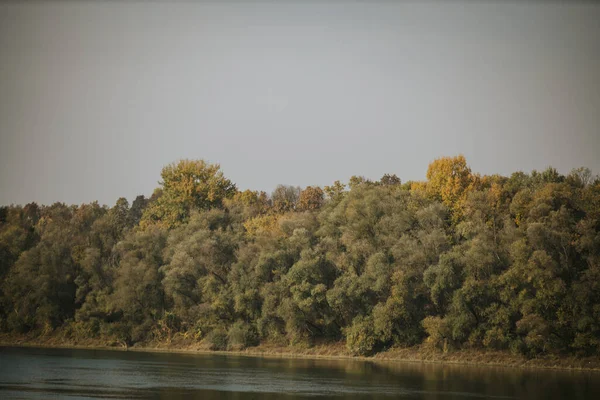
(417, 354)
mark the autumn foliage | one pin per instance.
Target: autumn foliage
(456, 261)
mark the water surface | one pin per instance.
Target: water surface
(28, 373)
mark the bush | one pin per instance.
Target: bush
(121, 331)
(217, 339)
(438, 332)
(81, 329)
(242, 335)
(360, 337)
(535, 333)
(496, 338)
(272, 329)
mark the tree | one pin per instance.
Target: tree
(186, 186)
(581, 177)
(549, 175)
(356, 181)
(479, 262)
(310, 199)
(198, 259)
(248, 204)
(285, 198)
(138, 294)
(137, 210)
(448, 179)
(335, 192)
(41, 284)
(390, 180)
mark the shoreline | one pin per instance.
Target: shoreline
(335, 351)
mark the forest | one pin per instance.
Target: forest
(459, 260)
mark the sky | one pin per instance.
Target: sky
(96, 97)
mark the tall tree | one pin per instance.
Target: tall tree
(310, 198)
(448, 179)
(186, 186)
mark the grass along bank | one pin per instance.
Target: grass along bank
(415, 354)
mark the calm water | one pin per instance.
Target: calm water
(92, 374)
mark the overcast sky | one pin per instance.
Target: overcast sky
(96, 97)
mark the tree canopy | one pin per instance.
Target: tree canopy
(186, 186)
(457, 261)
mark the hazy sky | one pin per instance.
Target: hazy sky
(96, 97)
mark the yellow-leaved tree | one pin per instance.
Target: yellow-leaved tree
(187, 185)
(449, 179)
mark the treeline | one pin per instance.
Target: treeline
(459, 260)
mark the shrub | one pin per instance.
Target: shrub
(217, 339)
(437, 330)
(496, 338)
(272, 329)
(242, 335)
(360, 337)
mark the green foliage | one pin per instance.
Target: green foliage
(335, 192)
(360, 336)
(390, 180)
(285, 198)
(461, 260)
(242, 335)
(217, 339)
(438, 332)
(186, 186)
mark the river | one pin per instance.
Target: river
(30, 373)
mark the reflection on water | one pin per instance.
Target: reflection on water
(84, 374)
